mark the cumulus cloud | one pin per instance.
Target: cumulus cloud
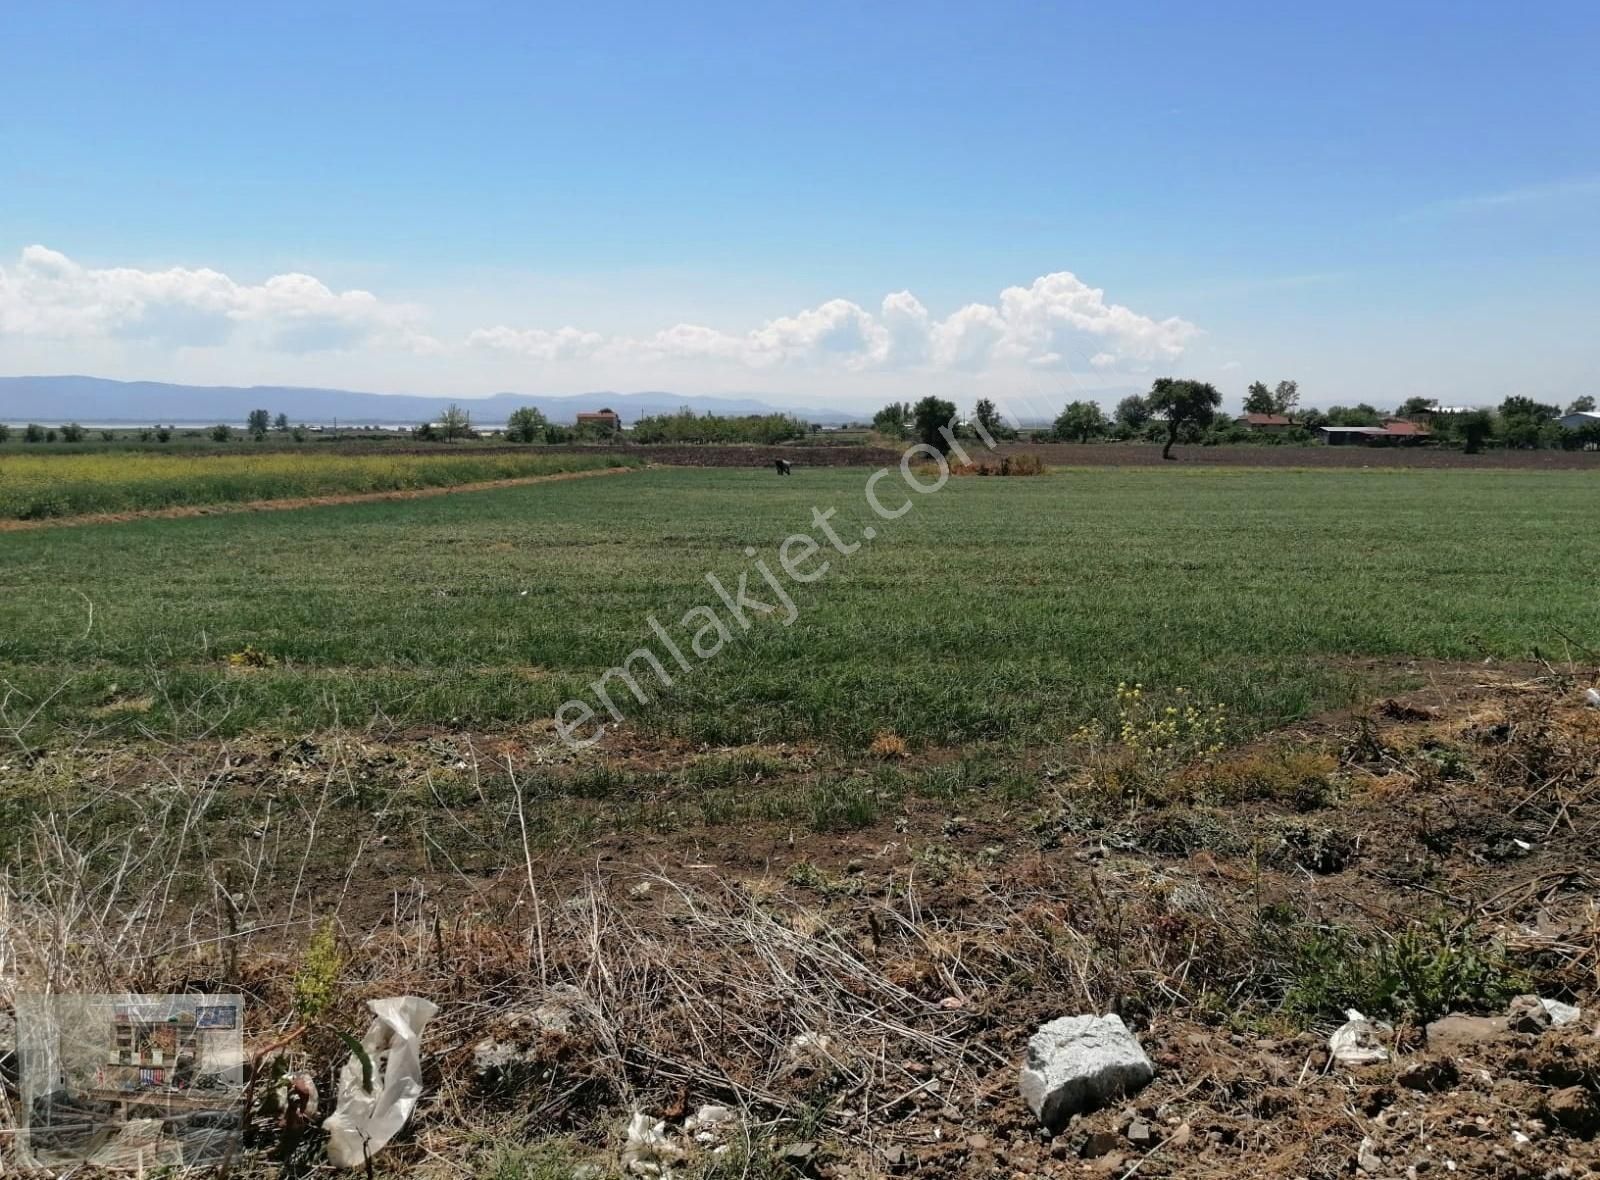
(46, 294)
(1057, 322)
(564, 344)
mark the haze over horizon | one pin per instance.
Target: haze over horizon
(827, 207)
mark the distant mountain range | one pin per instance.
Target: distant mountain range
(97, 401)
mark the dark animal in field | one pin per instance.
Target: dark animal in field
(784, 466)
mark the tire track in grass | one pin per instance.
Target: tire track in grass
(292, 502)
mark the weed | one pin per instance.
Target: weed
(1426, 970)
(844, 806)
(250, 657)
(317, 981)
(888, 745)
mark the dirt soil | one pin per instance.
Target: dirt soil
(920, 949)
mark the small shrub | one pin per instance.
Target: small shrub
(5, 432)
(1026, 464)
(317, 981)
(888, 745)
(1302, 779)
(108, 436)
(72, 432)
(33, 433)
(250, 657)
(163, 434)
(221, 433)
(1427, 970)
(843, 807)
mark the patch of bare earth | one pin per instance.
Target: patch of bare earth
(861, 994)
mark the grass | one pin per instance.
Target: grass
(995, 611)
(35, 486)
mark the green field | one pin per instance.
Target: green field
(996, 610)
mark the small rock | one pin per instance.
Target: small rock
(1457, 1035)
(1077, 1063)
(1140, 1133)
(1575, 1110)
(799, 1156)
(977, 1143)
(1430, 1076)
(896, 1157)
(1528, 1015)
(1098, 1144)
(1368, 1159)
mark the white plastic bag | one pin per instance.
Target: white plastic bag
(364, 1122)
(1355, 1042)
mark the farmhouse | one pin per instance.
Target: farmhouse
(1579, 420)
(1266, 423)
(1396, 431)
(609, 419)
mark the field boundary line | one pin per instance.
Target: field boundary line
(290, 503)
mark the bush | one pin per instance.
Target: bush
(1008, 465)
(33, 433)
(5, 432)
(72, 432)
(1424, 972)
(163, 434)
(688, 427)
(220, 433)
(108, 435)
(525, 425)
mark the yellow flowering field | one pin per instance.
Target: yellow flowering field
(34, 487)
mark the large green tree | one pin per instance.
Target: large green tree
(1527, 423)
(988, 417)
(1358, 415)
(1080, 421)
(892, 419)
(1133, 412)
(259, 422)
(1581, 405)
(1182, 402)
(525, 424)
(928, 416)
(1258, 399)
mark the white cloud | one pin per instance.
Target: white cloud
(1057, 323)
(48, 295)
(561, 345)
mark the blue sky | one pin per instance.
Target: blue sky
(1376, 200)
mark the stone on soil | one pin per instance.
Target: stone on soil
(1457, 1035)
(1078, 1063)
